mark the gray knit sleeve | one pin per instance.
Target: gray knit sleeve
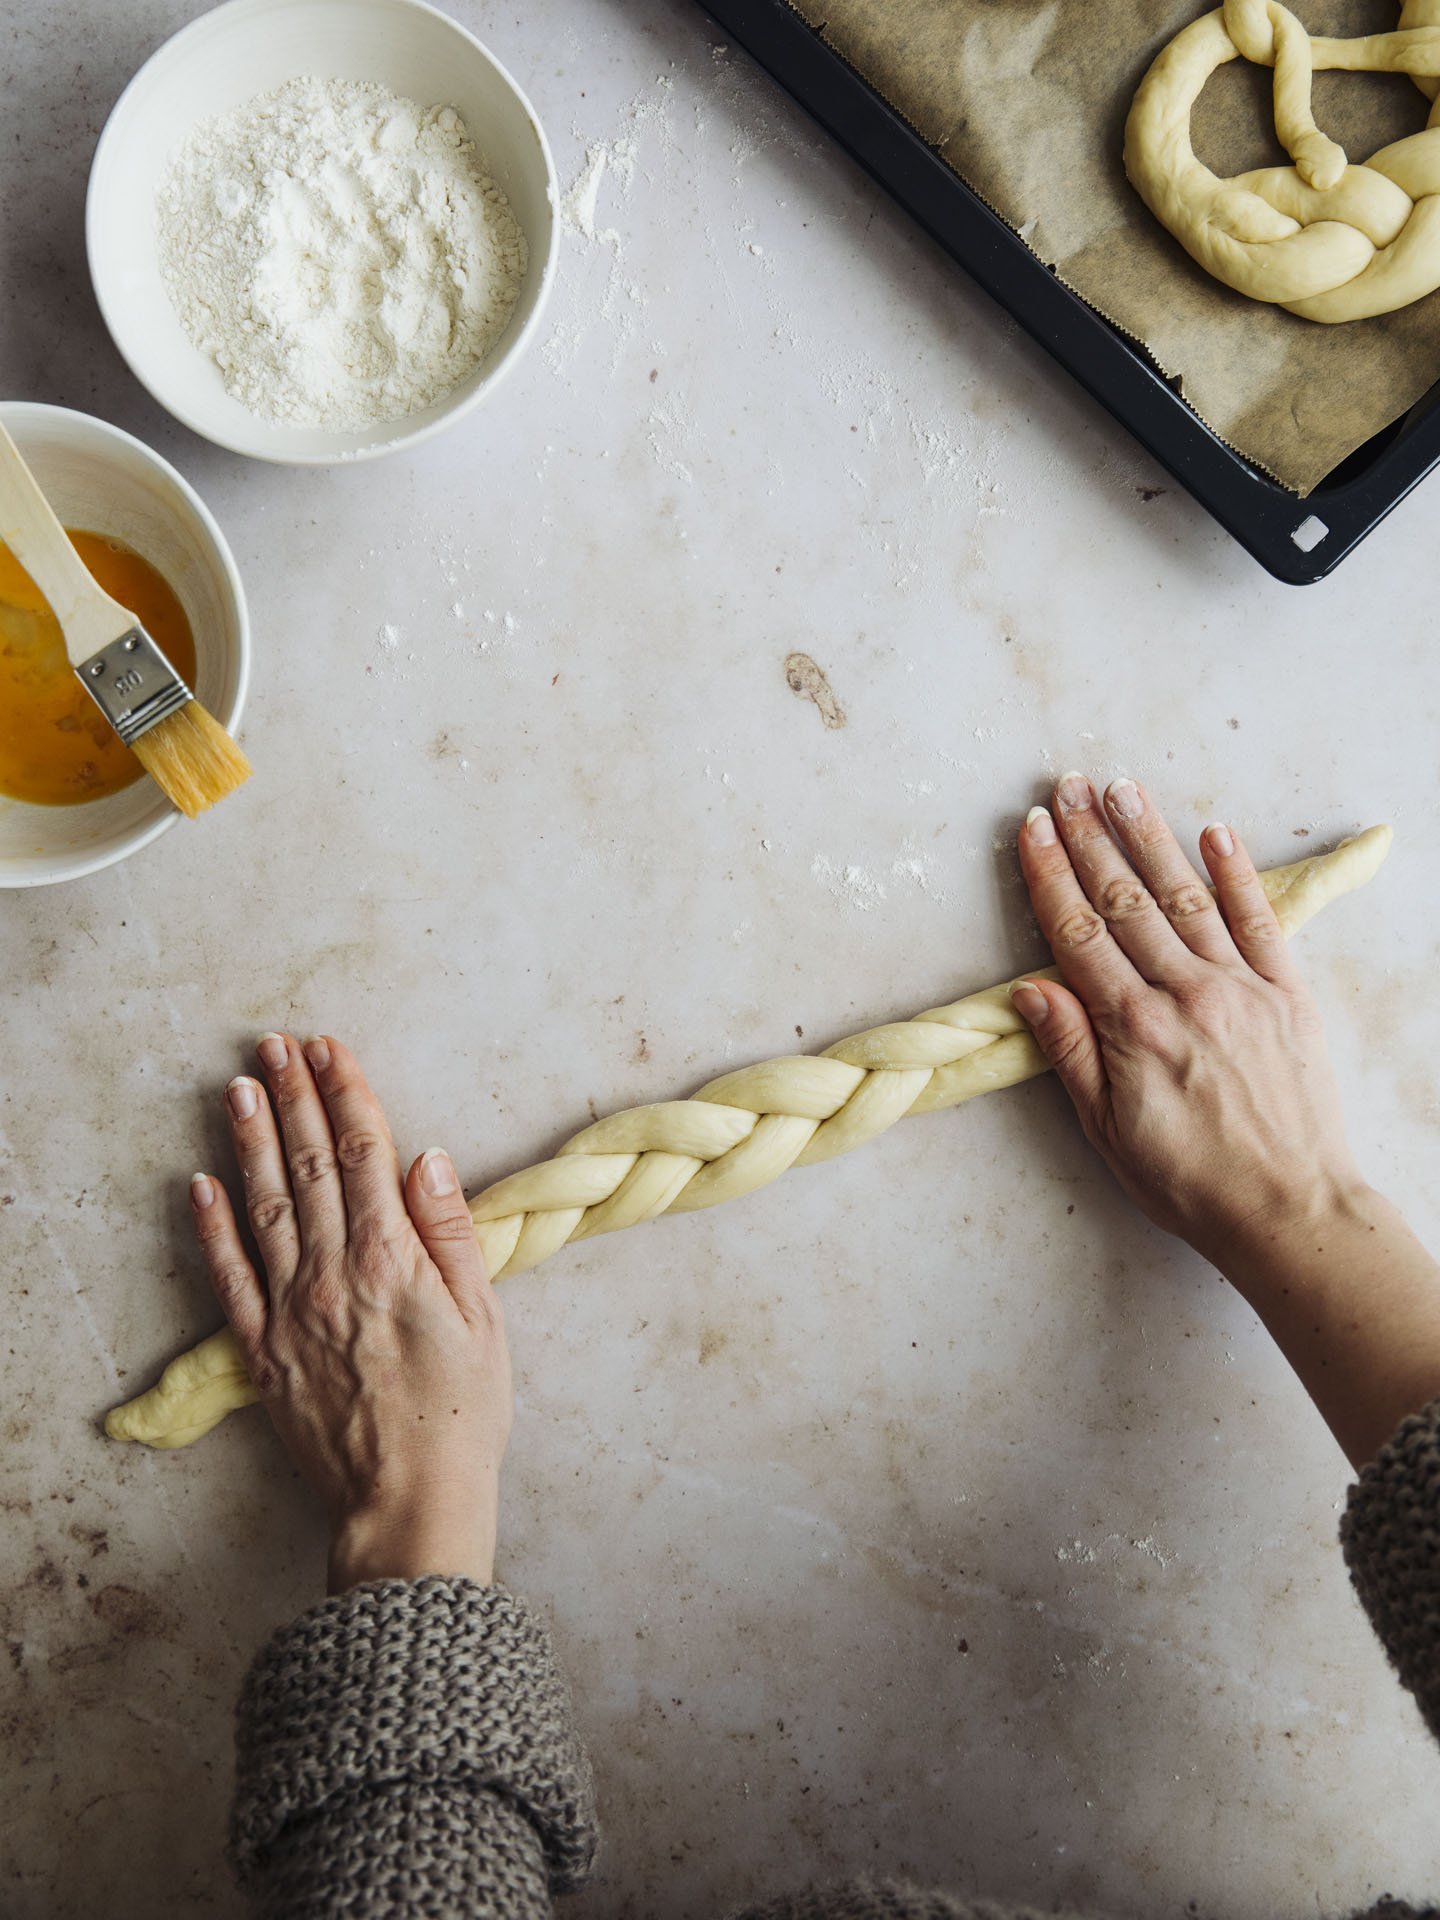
(1391, 1537)
(408, 1748)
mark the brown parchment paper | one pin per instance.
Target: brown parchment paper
(1026, 100)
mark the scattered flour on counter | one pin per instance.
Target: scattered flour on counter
(858, 887)
(921, 869)
(580, 204)
(670, 432)
(339, 252)
(851, 883)
(1112, 1543)
(1087, 1556)
(608, 174)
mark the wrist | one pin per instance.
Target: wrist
(1274, 1250)
(1352, 1299)
(407, 1542)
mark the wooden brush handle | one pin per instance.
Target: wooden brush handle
(89, 618)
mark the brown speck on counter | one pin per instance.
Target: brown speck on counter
(805, 678)
(127, 1611)
(1147, 494)
(713, 1342)
(47, 1577)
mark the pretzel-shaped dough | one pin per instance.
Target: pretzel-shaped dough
(734, 1135)
(1325, 239)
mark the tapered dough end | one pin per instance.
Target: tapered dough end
(192, 1395)
(1376, 841)
(1298, 892)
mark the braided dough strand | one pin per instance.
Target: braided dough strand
(1328, 240)
(736, 1134)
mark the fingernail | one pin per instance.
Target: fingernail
(1029, 1002)
(1222, 840)
(202, 1190)
(1073, 793)
(317, 1052)
(1124, 798)
(1040, 827)
(437, 1175)
(243, 1096)
(272, 1051)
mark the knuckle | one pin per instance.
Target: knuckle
(1077, 928)
(357, 1147)
(270, 1211)
(267, 1376)
(1141, 1019)
(231, 1280)
(1123, 898)
(325, 1294)
(451, 1229)
(1206, 1002)
(208, 1230)
(1064, 1051)
(1256, 927)
(313, 1164)
(1137, 1023)
(1187, 901)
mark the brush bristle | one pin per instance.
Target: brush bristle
(190, 755)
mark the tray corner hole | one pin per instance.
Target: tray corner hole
(1310, 532)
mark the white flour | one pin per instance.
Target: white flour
(339, 252)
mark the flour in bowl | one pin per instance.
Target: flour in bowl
(339, 252)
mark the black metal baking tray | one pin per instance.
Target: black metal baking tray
(1298, 541)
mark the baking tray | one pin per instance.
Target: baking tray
(1298, 541)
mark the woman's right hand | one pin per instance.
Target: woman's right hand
(1183, 1033)
(1193, 1053)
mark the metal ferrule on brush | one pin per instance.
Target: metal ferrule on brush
(133, 684)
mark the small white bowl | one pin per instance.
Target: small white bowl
(219, 62)
(103, 480)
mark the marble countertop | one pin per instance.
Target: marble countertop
(927, 1513)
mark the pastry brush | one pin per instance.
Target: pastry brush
(183, 748)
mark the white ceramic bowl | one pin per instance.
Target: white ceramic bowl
(224, 59)
(103, 480)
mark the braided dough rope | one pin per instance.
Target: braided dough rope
(1327, 240)
(736, 1134)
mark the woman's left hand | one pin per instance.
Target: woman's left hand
(374, 1338)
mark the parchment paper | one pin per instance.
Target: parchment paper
(1026, 100)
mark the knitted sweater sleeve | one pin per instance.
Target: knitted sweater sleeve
(407, 1748)
(1391, 1537)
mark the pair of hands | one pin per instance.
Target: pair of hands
(1183, 1034)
